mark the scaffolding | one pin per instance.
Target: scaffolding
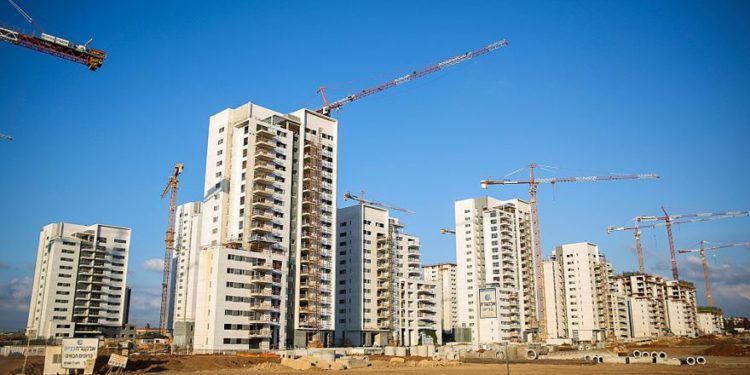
(310, 255)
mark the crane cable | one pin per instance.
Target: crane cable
(25, 15)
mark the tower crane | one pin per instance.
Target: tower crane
(667, 219)
(326, 109)
(171, 189)
(702, 250)
(533, 182)
(52, 45)
(696, 218)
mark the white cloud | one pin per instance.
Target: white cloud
(15, 295)
(732, 292)
(156, 265)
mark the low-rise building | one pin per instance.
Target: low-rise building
(710, 320)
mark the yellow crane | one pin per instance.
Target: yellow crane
(702, 250)
(171, 189)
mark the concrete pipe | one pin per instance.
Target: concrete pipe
(663, 355)
(636, 353)
(531, 354)
(500, 355)
(645, 354)
(654, 354)
(700, 360)
(587, 358)
(690, 361)
(600, 359)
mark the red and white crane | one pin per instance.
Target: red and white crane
(668, 220)
(361, 199)
(326, 109)
(52, 45)
(533, 182)
(702, 250)
(696, 218)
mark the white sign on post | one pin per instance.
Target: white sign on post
(116, 360)
(79, 353)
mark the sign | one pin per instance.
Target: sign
(487, 303)
(79, 353)
(116, 360)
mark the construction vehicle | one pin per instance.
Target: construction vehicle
(702, 250)
(53, 45)
(328, 107)
(533, 182)
(171, 189)
(696, 218)
(667, 219)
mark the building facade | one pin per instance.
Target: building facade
(579, 306)
(494, 246)
(269, 202)
(646, 304)
(187, 251)
(381, 296)
(682, 308)
(444, 277)
(710, 321)
(80, 278)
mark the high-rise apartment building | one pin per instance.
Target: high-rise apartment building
(267, 231)
(187, 250)
(80, 280)
(646, 304)
(682, 308)
(494, 248)
(381, 296)
(444, 277)
(578, 307)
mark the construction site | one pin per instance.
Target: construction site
(268, 267)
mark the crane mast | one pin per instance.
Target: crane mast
(702, 251)
(533, 182)
(326, 109)
(171, 189)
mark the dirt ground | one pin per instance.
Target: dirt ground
(726, 356)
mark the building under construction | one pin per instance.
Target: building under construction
(265, 276)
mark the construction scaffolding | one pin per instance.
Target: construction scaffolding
(310, 316)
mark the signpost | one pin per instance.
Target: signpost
(80, 354)
(117, 363)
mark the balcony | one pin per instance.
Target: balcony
(264, 215)
(265, 143)
(264, 167)
(263, 279)
(263, 307)
(265, 179)
(262, 154)
(259, 334)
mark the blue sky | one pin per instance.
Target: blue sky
(589, 87)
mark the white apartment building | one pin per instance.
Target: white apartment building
(494, 246)
(80, 280)
(682, 308)
(444, 277)
(646, 304)
(187, 250)
(583, 295)
(619, 315)
(269, 201)
(710, 321)
(381, 296)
